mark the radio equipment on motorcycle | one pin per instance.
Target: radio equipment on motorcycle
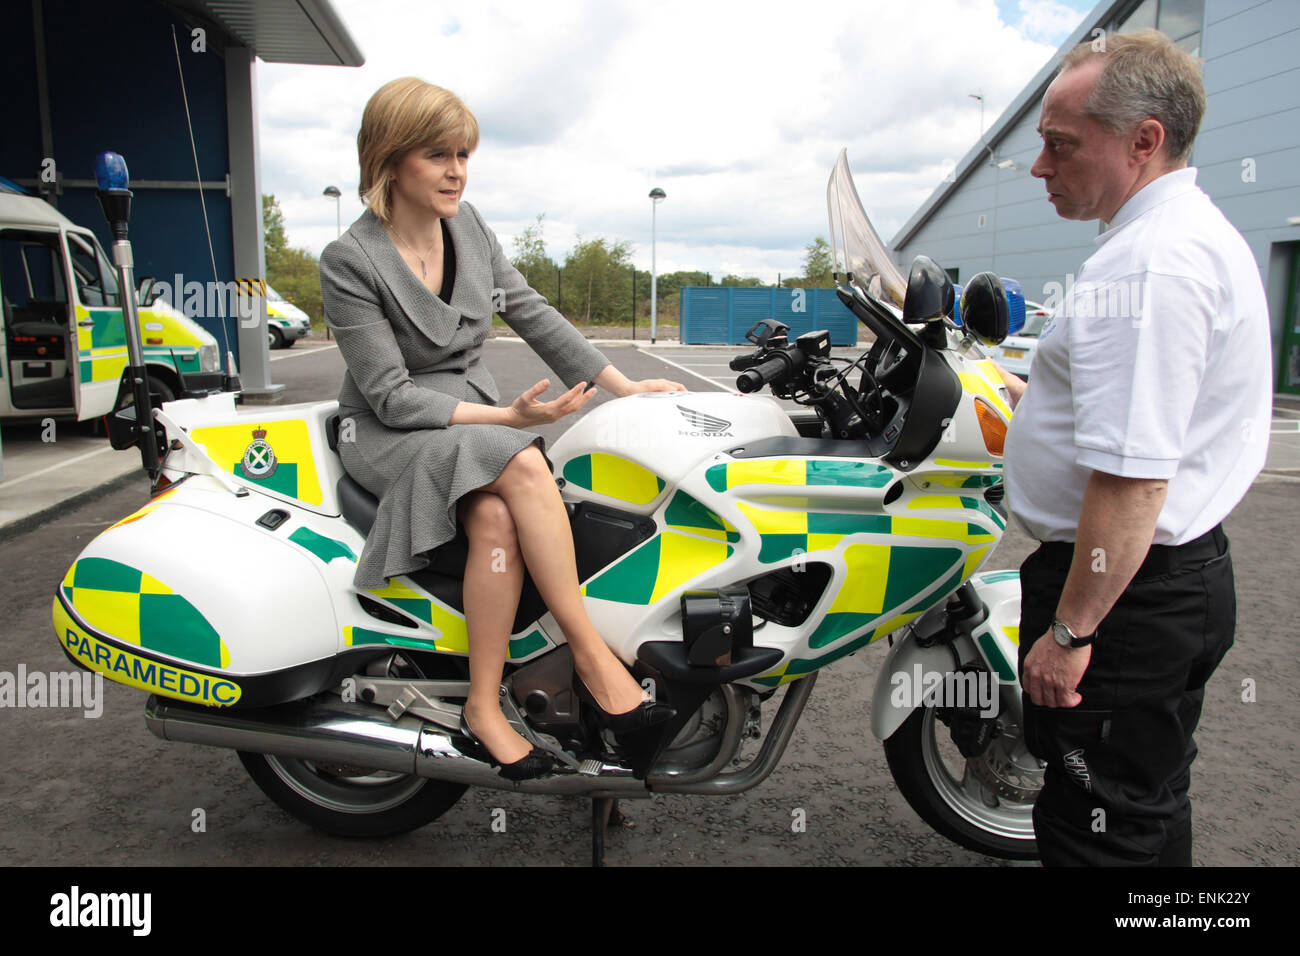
(713, 623)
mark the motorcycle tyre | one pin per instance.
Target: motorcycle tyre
(903, 751)
(425, 803)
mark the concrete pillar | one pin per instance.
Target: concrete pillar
(246, 221)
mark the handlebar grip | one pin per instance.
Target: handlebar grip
(764, 373)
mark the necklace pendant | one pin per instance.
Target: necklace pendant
(424, 273)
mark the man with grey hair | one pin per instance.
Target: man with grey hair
(1144, 424)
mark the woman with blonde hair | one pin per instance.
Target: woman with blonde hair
(409, 291)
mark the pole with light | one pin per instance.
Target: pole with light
(657, 196)
(333, 193)
(114, 191)
(997, 165)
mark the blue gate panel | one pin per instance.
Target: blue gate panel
(721, 316)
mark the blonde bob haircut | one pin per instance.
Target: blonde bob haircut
(402, 115)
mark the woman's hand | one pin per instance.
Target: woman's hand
(619, 385)
(526, 410)
(656, 385)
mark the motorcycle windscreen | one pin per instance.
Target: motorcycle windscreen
(857, 252)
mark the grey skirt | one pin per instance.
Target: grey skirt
(419, 477)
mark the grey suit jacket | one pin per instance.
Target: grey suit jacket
(412, 357)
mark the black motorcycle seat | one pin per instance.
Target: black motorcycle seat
(359, 508)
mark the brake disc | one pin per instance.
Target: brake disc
(999, 771)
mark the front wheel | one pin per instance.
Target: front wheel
(984, 803)
(350, 801)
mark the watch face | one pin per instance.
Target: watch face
(1062, 634)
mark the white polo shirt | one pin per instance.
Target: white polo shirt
(1157, 364)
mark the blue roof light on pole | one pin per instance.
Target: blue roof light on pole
(657, 196)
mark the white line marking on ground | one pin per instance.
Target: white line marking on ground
(308, 351)
(9, 483)
(682, 367)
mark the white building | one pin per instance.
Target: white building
(993, 215)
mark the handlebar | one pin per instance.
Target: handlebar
(783, 364)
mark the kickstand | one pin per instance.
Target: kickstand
(603, 809)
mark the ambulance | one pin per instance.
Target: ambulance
(64, 344)
(285, 322)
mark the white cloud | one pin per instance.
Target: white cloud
(1047, 20)
(737, 110)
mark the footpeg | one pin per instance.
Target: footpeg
(401, 703)
(590, 768)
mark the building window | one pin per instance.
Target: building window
(1180, 20)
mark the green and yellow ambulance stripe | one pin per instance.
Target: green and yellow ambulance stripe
(797, 471)
(613, 477)
(136, 608)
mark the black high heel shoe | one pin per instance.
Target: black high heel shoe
(647, 714)
(536, 763)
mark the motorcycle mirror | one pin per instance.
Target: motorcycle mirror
(929, 292)
(767, 332)
(984, 310)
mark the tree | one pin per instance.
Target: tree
(818, 268)
(598, 281)
(748, 282)
(273, 234)
(294, 273)
(531, 260)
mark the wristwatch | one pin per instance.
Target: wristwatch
(1067, 638)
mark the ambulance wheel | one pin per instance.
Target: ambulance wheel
(350, 801)
(983, 803)
(156, 387)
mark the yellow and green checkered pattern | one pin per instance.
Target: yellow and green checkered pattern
(661, 565)
(452, 634)
(125, 603)
(798, 471)
(614, 477)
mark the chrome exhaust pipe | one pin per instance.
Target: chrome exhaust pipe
(331, 731)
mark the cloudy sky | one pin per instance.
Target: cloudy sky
(736, 109)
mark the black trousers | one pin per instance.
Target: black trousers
(1118, 764)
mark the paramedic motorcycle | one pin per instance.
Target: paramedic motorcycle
(727, 549)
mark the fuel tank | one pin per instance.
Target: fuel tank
(626, 452)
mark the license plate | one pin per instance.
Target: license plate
(1014, 353)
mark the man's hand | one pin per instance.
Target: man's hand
(1015, 384)
(1052, 672)
(526, 410)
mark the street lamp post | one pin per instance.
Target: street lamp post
(333, 193)
(657, 196)
(998, 165)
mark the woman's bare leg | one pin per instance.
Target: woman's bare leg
(545, 538)
(494, 577)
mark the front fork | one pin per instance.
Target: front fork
(966, 636)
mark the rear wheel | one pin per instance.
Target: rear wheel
(983, 803)
(349, 800)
